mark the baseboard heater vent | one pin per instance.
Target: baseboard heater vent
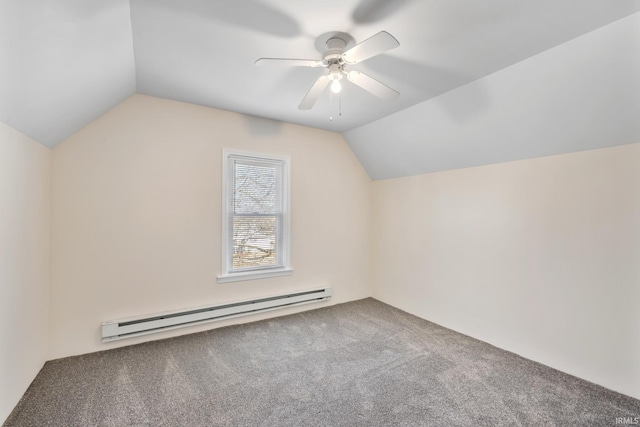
(132, 327)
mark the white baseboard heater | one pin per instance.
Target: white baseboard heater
(133, 327)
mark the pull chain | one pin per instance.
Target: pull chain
(330, 105)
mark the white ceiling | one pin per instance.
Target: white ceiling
(65, 62)
(583, 94)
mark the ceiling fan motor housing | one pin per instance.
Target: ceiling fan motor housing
(335, 49)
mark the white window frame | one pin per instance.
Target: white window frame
(228, 275)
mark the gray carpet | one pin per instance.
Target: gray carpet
(356, 364)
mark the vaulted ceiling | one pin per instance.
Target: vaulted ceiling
(64, 63)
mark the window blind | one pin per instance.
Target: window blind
(256, 212)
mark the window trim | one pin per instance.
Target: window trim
(227, 233)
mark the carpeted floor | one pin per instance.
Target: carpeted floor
(356, 364)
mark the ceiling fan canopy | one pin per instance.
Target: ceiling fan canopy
(335, 59)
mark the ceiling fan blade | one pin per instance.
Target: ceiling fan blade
(289, 62)
(314, 93)
(374, 45)
(371, 11)
(370, 84)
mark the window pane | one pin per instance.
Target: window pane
(254, 241)
(256, 219)
(256, 188)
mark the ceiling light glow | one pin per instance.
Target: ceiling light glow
(336, 86)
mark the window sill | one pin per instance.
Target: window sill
(251, 275)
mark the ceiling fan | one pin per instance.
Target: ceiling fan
(335, 59)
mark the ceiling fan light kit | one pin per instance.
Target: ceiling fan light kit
(335, 75)
(335, 59)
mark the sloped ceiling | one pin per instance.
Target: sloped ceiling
(65, 62)
(584, 94)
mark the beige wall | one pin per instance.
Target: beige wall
(540, 257)
(24, 263)
(136, 217)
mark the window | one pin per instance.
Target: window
(255, 220)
